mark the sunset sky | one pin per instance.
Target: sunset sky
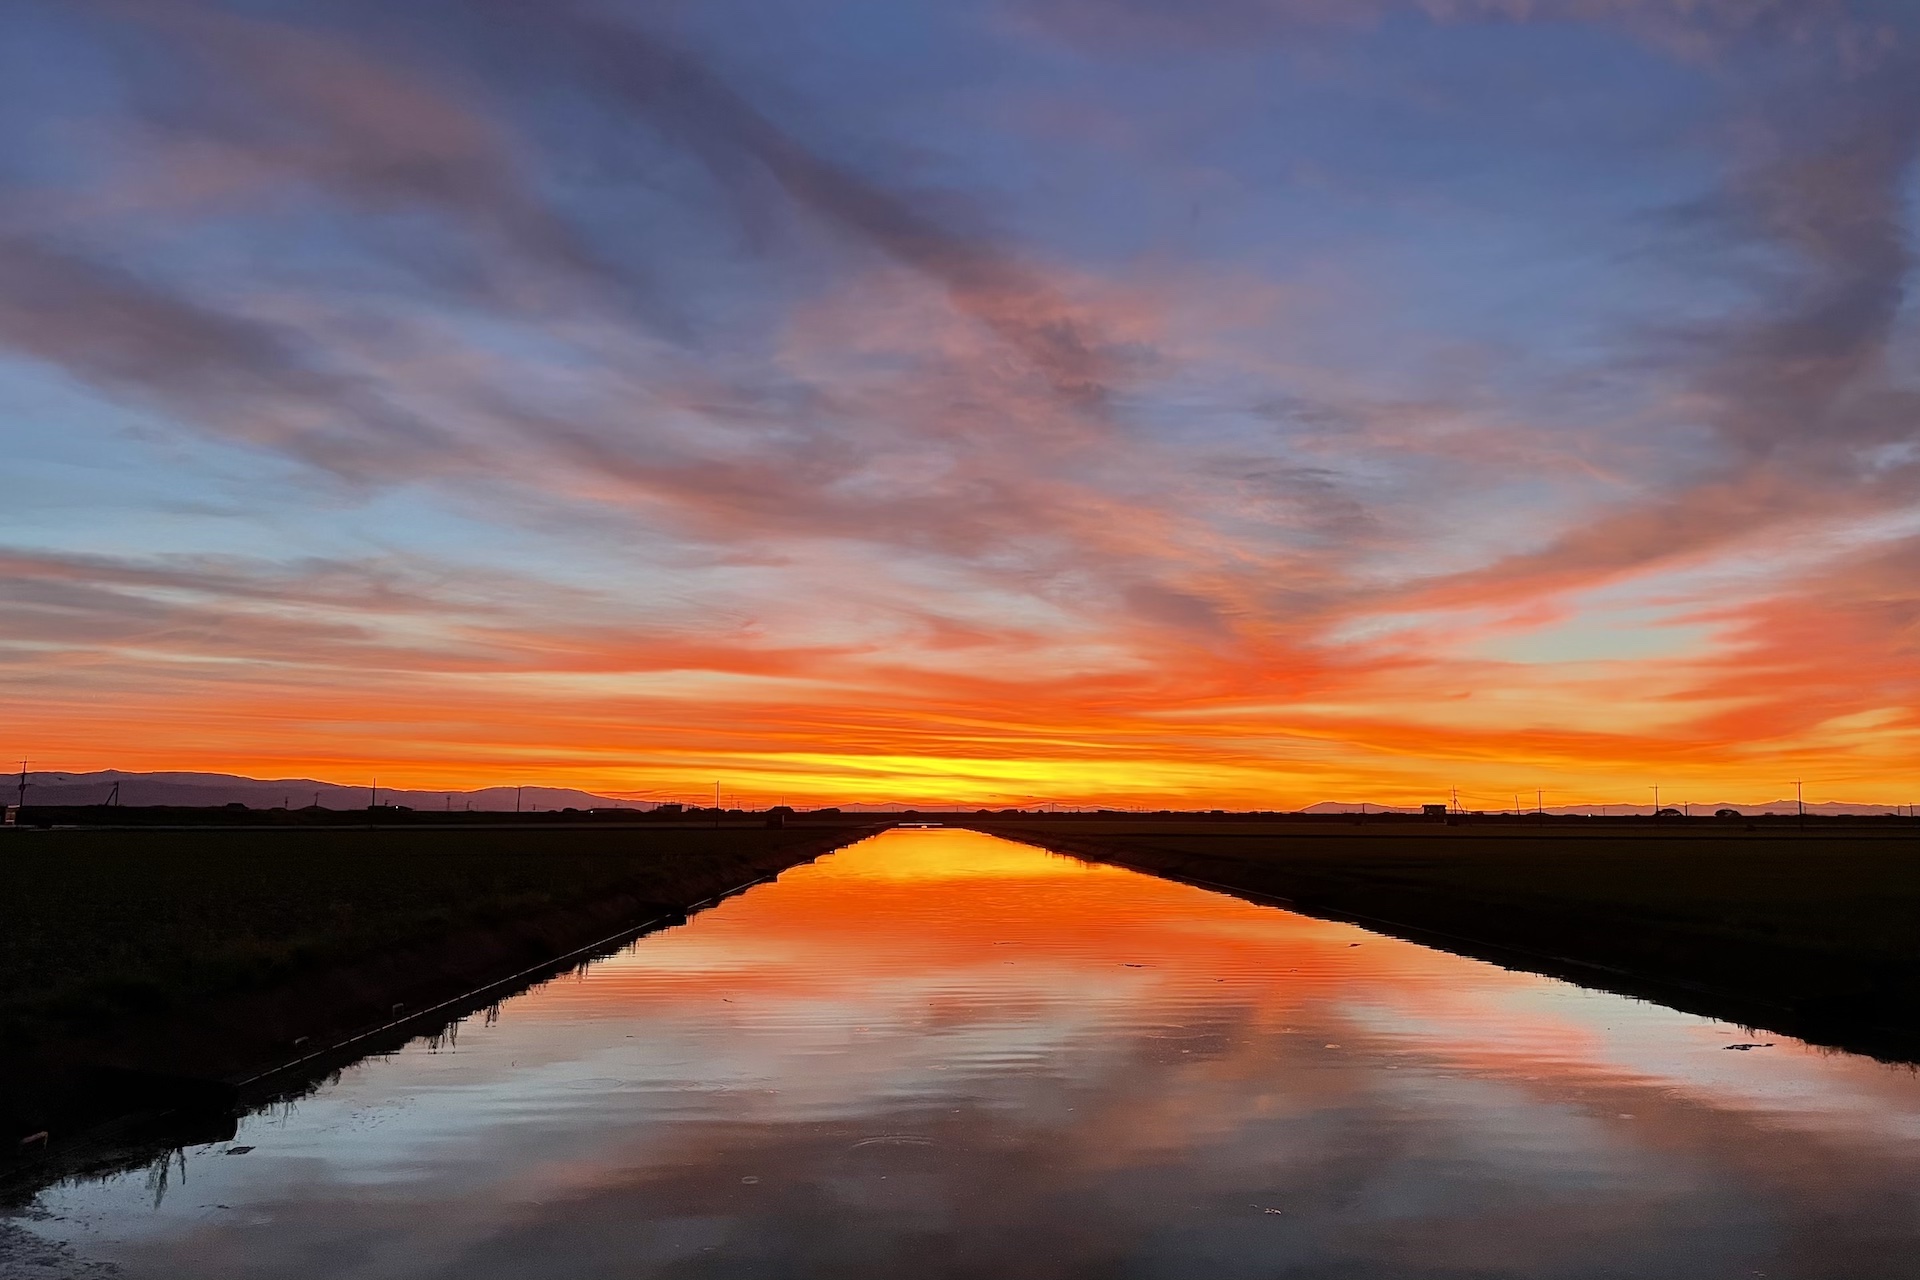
(1221, 403)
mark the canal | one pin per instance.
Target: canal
(940, 1054)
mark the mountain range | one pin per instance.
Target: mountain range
(199, 790)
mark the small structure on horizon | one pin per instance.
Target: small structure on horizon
(1434, 810)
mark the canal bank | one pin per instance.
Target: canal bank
(1811, 931)
(170, 977)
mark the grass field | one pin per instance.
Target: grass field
(1810, 931)
(213, 953)
(96, 924)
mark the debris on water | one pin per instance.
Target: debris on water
(1333, 1046)
(1136, 966)
(1353, 944)
(238, 1151)
(750, 1179)
(1750, 1044)
(1273, 1211)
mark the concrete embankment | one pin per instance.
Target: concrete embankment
(1810, 930)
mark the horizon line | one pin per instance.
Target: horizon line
(764, 800)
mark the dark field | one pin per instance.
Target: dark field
(1811, 931)
(215, 954)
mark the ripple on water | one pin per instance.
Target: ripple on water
(937, 1053)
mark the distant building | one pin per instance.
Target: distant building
(1434, 810)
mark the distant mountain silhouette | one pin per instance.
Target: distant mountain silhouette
(210, 789)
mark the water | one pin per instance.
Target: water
(937, 1054)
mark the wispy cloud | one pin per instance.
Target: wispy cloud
(869, 429)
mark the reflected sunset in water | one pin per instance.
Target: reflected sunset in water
(940, 1053)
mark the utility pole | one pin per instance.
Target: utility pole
(1540, 803)
(716, 805)
(1656, 800)
(376, 794)
(23, 782)
(516, 798)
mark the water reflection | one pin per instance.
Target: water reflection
(939, 1054)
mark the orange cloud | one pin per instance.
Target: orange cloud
(671, 436)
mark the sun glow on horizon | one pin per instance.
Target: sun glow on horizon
(982, 408)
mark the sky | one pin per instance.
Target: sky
(1222, 403)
